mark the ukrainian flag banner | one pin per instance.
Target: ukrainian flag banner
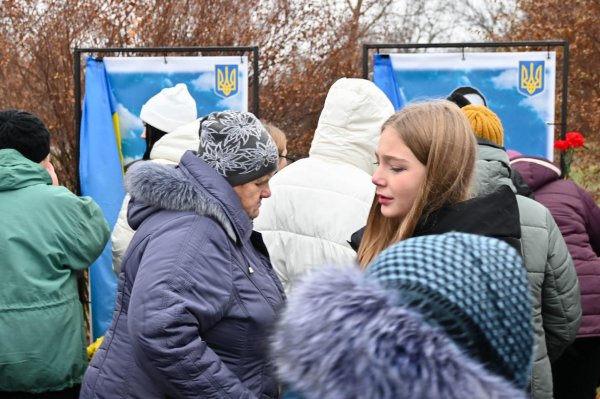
(518, 86)
(101, 177)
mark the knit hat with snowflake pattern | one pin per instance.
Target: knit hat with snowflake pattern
(237, 146)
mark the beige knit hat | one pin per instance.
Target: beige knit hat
(485, 123)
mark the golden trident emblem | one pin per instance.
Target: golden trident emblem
(531, 81)
(226, 81)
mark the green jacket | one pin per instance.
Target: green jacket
(552, 277)
(46, 234)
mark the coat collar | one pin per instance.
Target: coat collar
(492, 215)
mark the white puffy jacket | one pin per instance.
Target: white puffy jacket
(319, 201)
(169, 149)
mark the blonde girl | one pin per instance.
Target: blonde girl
(425, 157)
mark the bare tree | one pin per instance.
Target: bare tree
(491, 19)
(577, 22)
(304, 48)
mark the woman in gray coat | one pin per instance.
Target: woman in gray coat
(197, 294)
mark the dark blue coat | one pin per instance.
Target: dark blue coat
(196, 297)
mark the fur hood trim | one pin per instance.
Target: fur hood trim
(168, 187)
(343, 335)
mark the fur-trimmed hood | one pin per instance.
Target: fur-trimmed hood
(344, 336)
(193, 186)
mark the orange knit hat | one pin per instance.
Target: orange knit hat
(485, 123)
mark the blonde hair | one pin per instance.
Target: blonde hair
(278, 137)
(441, 138)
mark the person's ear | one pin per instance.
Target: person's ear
(50, 169)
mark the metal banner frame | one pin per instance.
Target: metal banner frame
(161, 51)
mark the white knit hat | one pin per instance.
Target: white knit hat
(169, 109)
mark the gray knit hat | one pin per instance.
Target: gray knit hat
(474, 288)
(237, 146)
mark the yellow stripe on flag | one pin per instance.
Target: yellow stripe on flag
(115, 120)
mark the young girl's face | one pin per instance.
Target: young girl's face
(398, 176)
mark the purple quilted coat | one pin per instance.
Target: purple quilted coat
(578, 218)
(197, 295)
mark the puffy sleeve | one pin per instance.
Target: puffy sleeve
(562, 305)
(87, 235)
(183, 288)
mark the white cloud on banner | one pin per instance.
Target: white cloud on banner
(128, 160)
(232, 102)
(507, 80)
(538, 103)
(204, 82)
(128, 122)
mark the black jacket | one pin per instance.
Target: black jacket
(494, 215)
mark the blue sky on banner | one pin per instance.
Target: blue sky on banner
(527, 120)
(134, 80)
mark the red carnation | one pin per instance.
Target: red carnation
(561, 145)
(572, 142)
(575, 139)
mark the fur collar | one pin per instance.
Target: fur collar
(345, 336)
(168, 187)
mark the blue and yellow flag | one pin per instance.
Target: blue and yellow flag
(384, 78)
(101, 177)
